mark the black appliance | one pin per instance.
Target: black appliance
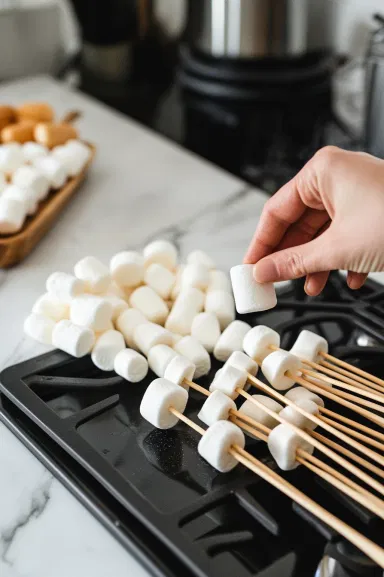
(154, 492)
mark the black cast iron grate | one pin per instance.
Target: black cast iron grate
(205, 524)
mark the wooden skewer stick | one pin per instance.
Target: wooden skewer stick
(313, 441)
(352, 377)
(368, 547)
(347, 387)
(353, 369)
(326, 392)
(355, 434)
(355, 444)
(355, 424)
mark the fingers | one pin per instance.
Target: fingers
(315, 283)
(355, 280)
(312, 223)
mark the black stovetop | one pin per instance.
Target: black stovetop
(151, 488)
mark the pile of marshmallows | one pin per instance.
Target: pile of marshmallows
(29, 171)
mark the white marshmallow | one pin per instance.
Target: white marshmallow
(159, 397)
(39, 328)
(106, 348)
(26, 196)
(12, 215)
(64, 286)
(228, 381)
(206, 329)
(251, 410)
(177, 286)
(300, 393)
(160, 279)
(258, 340)
(193, 350)
(293, 416)
(50, 306)
(3, 181)
(217, 407)
(148, 335)
(74, 340)
(178, 369)
(150, 304)
(159, 358)
(283, 443)
(33, 150)
(216, 442)
(11, 157)
(91, 311)
(231, 340)
(196, 276)
(243, 362)
(31, 177)
(222, 305)
(276, 365)
(118, 305)
(94, 274)
(162, 252)
(53, 169)
(309, 345)
(219, 281)
(201, 257)
(250, 296)
(127, 268)
(115, 290)
(72, 162)
(80, 149)
(127, 322)
(187, 305)
(130, 365)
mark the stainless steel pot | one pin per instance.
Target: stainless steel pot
(248, 28)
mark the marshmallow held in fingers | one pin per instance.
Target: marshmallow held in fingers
(196, 276)
(12, 215)
(126, 323)
(215, 444)
(309, 346)
(49, 306)
(159, 358)
(293, 416)
(193, 350)
(219, 281)
(72, 339)
(53, 169)
(107, 346)
(160, 279)
(202, 258)
(39, 328)
(283, 442)
(93, 273)
(31, 177)
(64, 286)
(206, 329)
(26, 196)
(228, 381)
(178, 369)
(188, 304)
(280, 368)
(256, 413)
(148, 335)
(222, 305)
(130, 365)
(231, 340)
(300, 393)
(33, 150)
(147, 301)
(161, 252)
(11, 157)
(160, 396)
(127, 268)
(217, 407)
(250, 296)
(243, 362)
(91, 311)
(258, 342)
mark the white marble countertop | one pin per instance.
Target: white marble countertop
(140, 187)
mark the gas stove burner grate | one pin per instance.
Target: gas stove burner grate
(204, 524)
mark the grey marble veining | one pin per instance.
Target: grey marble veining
(141, 187)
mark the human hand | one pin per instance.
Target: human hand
(329, 216)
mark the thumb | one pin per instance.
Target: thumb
(298, 261)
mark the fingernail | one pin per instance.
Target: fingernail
(265, 271)
(353, 283)
(310, 287)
